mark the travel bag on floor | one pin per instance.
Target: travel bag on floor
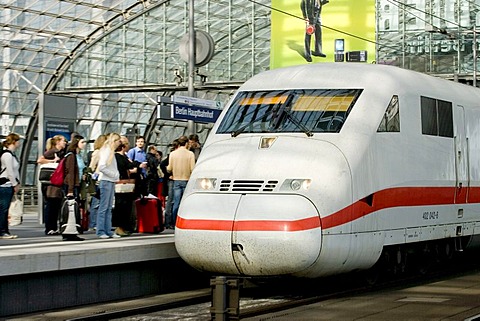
(84, 220)
(149, 215)
(70, 217)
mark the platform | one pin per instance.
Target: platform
(455, 298)
(34, 252)
(49, 273)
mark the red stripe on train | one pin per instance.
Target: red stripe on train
(388, 198)
(253, 225)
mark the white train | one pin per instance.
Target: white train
(326, 168)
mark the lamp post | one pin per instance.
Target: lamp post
(474, 52)
(191, 128)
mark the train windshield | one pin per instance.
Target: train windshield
(309, 111)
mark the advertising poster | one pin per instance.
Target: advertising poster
(344, 24)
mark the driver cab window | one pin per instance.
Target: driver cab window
(391, 119)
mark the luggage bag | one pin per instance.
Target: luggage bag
(84, 220)
(149, 215)
(70, 217)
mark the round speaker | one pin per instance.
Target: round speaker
(204, 48)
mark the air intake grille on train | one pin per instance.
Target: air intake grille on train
(247, 186)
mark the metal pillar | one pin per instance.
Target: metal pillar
(225, 298)
(474, 48)
(191, 61)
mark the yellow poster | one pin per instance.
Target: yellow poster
(310, 31)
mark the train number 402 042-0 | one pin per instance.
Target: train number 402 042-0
(432, 215)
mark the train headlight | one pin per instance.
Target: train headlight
(267, 142)
(296, 184)
(206, 184)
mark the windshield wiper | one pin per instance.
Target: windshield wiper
(298, 123)
(237, 132)
(285, 111)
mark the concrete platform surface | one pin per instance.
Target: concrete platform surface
(33, 251)
(456, 298)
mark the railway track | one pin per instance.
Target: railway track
(256, 299)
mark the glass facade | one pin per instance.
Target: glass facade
(431, 36)
(116, 57)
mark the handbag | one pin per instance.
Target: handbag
(125, 186)
(54, 192)
(15, 212)
(46, 171)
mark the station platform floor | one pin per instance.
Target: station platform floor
(455, 298)
(33, 251)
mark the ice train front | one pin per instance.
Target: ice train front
(251, 205)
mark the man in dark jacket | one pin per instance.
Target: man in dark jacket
(152, 174)
(311, 10)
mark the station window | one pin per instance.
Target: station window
(391, 120)
(437, 117)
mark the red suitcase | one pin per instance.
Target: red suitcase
(160, 193)
(149, 215)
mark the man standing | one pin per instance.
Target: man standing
(181, 163)
(311, 10)
(138, 154)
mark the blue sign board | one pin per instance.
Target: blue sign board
(197, 114)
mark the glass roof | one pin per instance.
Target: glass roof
(116, 57)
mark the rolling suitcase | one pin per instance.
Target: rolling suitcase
(84, 220)
(149, 215)
(160, 193)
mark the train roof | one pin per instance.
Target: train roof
(356, 75)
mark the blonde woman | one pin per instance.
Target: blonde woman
(93, 157)
(107, 166)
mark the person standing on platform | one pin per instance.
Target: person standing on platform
(74, 166)
(93, 162)
(138, 154)
(121, 216)
(168, 187)
(152, 170)
(53, 194)
(194, 145)
(107, 167)
(9, 181)
(180, 164)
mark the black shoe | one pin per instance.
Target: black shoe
(319, 54)
(309, 59)
(72, 238)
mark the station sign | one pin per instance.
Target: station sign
(189, 108)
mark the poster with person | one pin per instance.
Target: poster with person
(305, 31)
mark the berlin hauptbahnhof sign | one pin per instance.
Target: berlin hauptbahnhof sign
(188, 108)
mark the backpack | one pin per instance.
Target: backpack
(58, 176)
(3, 180)
(3, 151)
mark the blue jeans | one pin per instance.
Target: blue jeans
(104, 214)
(178, 189)
(6, 195)
(94, 204)
(168, 206)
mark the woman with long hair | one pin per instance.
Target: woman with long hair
(74, 166)
(107, 167)
(9, 181)
(121, 215)
(92, 158)
(53, 195)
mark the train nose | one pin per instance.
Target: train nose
(250, 234)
